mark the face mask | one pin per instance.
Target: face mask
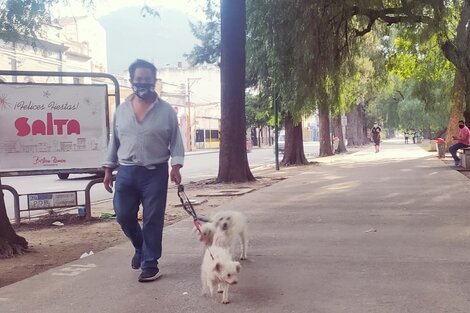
(143, 91)
(461, 126)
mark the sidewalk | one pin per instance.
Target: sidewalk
(360, 233)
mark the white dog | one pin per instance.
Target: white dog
(218, 269)
(225, 230)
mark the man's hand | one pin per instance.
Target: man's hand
(175, 174)
(108, 179)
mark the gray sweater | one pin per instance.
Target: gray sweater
(147, 143)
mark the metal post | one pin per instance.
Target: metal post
(88, 195)
(188, 117)
(276, 130)
(191, 82)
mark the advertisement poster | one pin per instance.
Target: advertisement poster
(52, 127)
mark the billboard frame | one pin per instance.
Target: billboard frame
(116, 95)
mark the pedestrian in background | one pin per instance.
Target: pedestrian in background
(376, 130)
(462, 141)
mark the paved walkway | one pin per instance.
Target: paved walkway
(386, 232)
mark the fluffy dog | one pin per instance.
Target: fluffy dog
(218, 269)
(224, 230)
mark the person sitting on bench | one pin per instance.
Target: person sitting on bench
(463, 141)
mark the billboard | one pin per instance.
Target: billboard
(47, 127)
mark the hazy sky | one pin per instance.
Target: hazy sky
(163, 40)
(104, 7)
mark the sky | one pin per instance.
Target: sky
(105, 7)
(161, 40)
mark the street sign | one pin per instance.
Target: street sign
(51, 200)
(52, 127)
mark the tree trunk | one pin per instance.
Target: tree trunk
(294, 145)
(233, 161)
(363, 122)
(339, 133)
(427, 134)
(457, 109)
(457, 52)
(356, 126)
(324, 130)
(10, 243)
(260, 136)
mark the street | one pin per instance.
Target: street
(197, 167)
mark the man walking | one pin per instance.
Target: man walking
(376, 130)
(463, 141)
(145, 135)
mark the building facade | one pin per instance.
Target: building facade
(69, 44)
(195, 94)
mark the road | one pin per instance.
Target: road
(197, 167)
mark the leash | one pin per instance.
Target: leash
(188, 207)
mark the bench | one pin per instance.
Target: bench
(464, 155)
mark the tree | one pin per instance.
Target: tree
(455, 47)
(233, 160)
(19, 20)
(338, 131)
(208, 33)
(418, 73)
(294, 148)
(258, 112)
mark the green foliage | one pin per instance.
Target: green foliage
(258, 111)
(23, 18)
(405, 105)
(289, 54)
(385, 106)
(412, 114)
(208, 33)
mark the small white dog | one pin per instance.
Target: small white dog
(219, 271)
(225, 230)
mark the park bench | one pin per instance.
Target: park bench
(464, 155)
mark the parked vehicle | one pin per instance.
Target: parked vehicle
(98, 173)
(249, 144)
(281, 141)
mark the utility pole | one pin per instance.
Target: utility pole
(189, 138)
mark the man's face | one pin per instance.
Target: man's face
(375, 125)
(143, 84)
(143, 76)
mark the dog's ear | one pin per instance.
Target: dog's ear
(218, 267)
(238, 266)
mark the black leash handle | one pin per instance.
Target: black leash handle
(188, 206)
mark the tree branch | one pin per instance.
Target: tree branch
(389, 16)
(450, 52)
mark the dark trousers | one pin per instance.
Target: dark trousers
(453, 150)
(135, 185)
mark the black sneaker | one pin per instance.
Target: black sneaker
(149, 274)
(136, 260)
